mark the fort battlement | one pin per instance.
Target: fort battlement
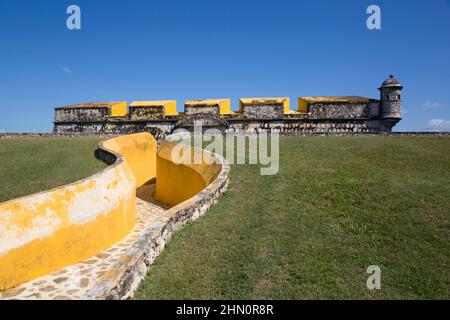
(324, 114)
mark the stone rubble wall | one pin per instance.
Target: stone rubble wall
(339, 111)
(301, 127)
(77, 135)
(391, 109)
(158, 129)
(322, 117)
(146, 113)
(282, 126)
(82, 114)
(190, 110)
(262, 111)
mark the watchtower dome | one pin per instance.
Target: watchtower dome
(390, 98)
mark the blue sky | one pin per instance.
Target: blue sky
(148, 50)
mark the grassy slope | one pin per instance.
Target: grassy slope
(29, 165)
(337, 205)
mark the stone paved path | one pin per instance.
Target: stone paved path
(78, 280)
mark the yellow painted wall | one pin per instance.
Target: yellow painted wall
(302, 105)
(176, 183)
(118, 109)
(170, 108)
(139, 151)
(225, 106)
(286, 105)
(50, 230)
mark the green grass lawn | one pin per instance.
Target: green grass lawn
(336, 206)
(30, 165)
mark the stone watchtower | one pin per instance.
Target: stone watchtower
(390, 98)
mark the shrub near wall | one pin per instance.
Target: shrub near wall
(50, 230)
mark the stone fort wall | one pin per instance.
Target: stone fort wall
(281, 126)
(323, 114)
(320, 118)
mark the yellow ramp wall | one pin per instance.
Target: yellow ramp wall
(50, 230)
(176, 183)
(139, 151)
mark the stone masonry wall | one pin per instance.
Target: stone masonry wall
(262, 111)
(391, 109)
(339, 110)
(190, 110)
(304, 127)
(111, 127)
(244, 125)
(146, 113)
(82, 114)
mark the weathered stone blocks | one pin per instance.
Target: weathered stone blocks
(211, 106)
(259, 108)
(151, 110)
(98, 111)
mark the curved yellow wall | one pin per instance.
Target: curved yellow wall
(176, 183)
(139, 151)
(50, 230)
